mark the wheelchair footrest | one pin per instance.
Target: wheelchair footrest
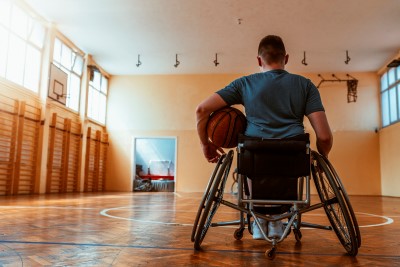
(312, 225)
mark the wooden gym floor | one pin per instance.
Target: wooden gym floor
(154, 229)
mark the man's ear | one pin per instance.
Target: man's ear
(286, 59)
(259, 61)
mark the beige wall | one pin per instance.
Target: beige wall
(164, 105)
(390, 159)
(355, 153)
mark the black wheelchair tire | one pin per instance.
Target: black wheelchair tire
(335, 205)
(345, 196)
(205, 196)
(212, 200)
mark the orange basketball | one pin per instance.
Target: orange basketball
(224, 127)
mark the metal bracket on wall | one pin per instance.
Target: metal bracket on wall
(351, 85)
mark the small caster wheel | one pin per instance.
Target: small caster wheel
(297, 235)
(250, 228)
(197, 247)
(238, 234)
(271, 253)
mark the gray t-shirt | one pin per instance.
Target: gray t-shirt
(275, 102)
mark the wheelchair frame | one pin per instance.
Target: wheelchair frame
(333, 198)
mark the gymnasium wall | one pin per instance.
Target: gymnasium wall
(164, 105)
(390, 158)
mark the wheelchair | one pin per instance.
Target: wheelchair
(285, 158)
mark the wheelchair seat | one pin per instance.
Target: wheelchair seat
(274, 165)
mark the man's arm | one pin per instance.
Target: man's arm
(320, 124)
(203, 111)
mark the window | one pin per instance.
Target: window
(97, 98)
(72, 64)
(21, 45)
(390, 96)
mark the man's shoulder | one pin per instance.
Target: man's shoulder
(260, 76)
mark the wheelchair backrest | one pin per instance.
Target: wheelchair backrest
(289, 157)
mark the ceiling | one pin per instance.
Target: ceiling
(115, 32)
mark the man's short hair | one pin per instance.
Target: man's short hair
(272, 49)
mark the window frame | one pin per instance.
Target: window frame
(100, 91)
(30, 42)
(389, 81)
(70, 70)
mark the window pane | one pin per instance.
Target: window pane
(104, 85)
(384, 82)
(5, 11)
(93, 105)
(97, 100)
(73, 92)
(90, 103)
(78, 65)
(102, 108)
(398, 100)
(385, 108)
(57, 50)
(37, 34)
(16, 60)
(96, 80)
(392, 78)
(32, 69)
(398, 73)
(66, 56)
(3, 50)
(19, 22)
(393, 104)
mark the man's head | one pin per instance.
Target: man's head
(271, 51)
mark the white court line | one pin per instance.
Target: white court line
(176, 194)
(45, 207)
(105, 213)
(388, 220)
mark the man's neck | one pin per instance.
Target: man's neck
(266, 68)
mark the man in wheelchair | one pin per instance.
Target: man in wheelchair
(275, 103)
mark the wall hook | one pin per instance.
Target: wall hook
(216, 63)
(138, 61)
(347, 58)
(334, 76)
(177, 62)
(304, 59)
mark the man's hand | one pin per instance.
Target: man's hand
(203, 111)
(212, 152)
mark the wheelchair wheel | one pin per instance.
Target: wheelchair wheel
(335, 205)
(206, 195)
(271, 253)
(343, 192)
(211, 199)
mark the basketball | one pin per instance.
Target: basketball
(224, 127)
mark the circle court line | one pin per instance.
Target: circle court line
(104, 212)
